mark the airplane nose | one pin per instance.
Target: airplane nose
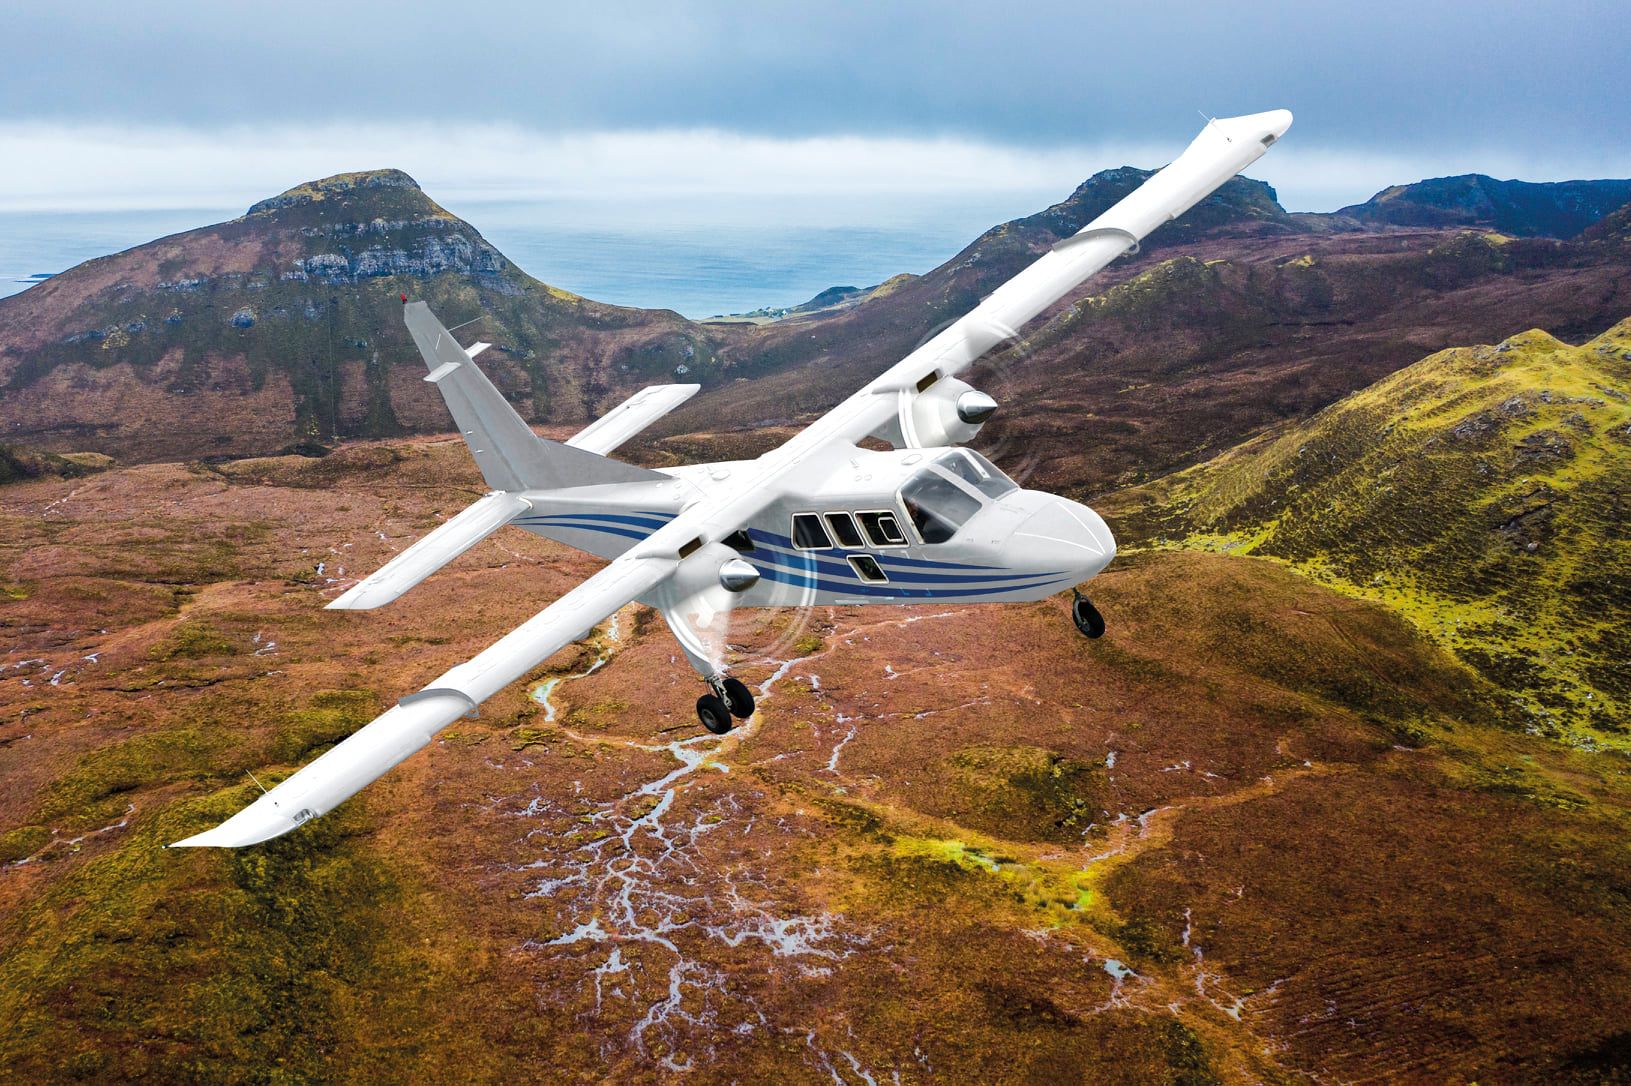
(1065, 535)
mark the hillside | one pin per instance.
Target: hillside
(1483, 493)
(1168, 358)
(1558, 209)
(282, 327)
(280, 330)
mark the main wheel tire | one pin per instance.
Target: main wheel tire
(714, 714)
(1087, 617)
(738, 698)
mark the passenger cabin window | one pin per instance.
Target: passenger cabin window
(844, 530)
(808, 534)
(882, 529)
(978, 472)
(867, 568)
(937, 506)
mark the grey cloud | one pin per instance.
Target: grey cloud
(1390, 76)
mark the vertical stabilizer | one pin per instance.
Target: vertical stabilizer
(511, 457)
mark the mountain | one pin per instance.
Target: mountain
(282, 327)
(1558, 209)
(1483, 493)
(1234, 318)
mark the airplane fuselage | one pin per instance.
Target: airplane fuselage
(868, 527)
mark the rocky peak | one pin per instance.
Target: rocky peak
(339, 185)
(1239, 202)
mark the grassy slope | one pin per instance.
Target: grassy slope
(1481, 493)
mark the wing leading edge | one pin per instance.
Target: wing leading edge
(374, 749)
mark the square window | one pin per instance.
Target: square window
(882, 529)
(844, 530)
(867, 568)
(808, 534)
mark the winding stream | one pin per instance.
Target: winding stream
(661, 905)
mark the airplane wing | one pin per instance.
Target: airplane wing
(372, 750)
(1222, 149)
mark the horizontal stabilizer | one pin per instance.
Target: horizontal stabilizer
(432, 552)
(510, 456)
(631, 416)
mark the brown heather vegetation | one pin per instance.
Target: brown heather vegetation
(1310, 835)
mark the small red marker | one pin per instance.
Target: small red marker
(404, 299)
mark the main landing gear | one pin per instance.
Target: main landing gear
(1086, 616)
(730, 698)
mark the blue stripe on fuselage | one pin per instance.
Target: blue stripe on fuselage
(847, 588)
(643, 520)
(543, 522)
(813, 563)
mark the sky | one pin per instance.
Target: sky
(107, 105)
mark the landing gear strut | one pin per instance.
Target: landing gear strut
(1086, 616)
(730, 698)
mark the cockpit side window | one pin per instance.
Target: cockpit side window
(978, 472)
(937, 506)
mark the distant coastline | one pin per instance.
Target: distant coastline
(699, 259)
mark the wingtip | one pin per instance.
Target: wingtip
(352, 599)
(260, 821)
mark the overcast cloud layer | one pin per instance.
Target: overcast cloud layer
(218, 104)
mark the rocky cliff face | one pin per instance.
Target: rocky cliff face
(282, 327)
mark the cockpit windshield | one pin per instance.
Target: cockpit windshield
(937, 506)
(941, 497)
(978, 472)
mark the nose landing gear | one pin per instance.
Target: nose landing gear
(730, 698)
(1086, 616)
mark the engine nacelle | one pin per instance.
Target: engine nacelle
(948, 412)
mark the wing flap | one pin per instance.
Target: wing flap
(371, 751)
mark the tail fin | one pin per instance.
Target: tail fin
(511, 457)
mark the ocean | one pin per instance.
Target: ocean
(700, 256)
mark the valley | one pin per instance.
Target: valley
(1265, 832)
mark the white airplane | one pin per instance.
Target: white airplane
(817, 521)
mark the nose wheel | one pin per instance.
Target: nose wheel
(1086, 616)
(729, 701)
